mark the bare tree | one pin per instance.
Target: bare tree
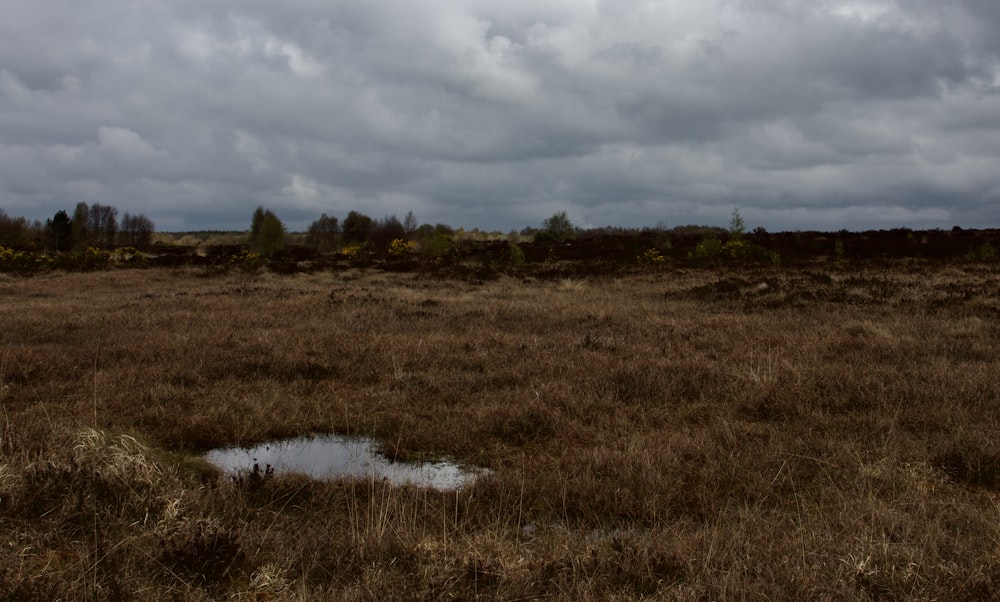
(103, 224)
(18, 231)
(136, 231)
(410, 224)
(323, 233)
(381, 235)
(82, 236)
(95, 225)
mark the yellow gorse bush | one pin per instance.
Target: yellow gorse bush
(400, 247)
(23, 262)
(245, 257)
(737, 248)
(96, 258)
(129, 256)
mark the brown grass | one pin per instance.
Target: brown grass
(703, 434)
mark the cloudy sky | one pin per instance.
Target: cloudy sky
(819, 114)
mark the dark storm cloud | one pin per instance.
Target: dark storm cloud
(831, 114)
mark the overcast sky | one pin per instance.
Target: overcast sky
(819, 114)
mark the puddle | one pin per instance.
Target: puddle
(336, 457)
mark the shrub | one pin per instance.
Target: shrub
(23, 262)
(129, 256)
(351, 252)
(651, 256)
(707, 248)
(247, 260)
(838, 250)
(399, 247)
(95, 259)
(515, 254)
(988, 252)
(439, 247)
(738, 248)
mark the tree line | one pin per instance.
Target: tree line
(97, 225)
(93, 225)
(328, 233)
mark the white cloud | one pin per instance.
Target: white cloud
(123, 142)
(302, 190)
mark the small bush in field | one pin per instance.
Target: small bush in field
(838, 250)
(988, 252)
(738, 248)
(399, 247)
(247, 260)
(438, 247)
(95, 259)
(515, 254)
(351, 252)
(129, 256)
(734, 249)
(651, 256)
(707, 248)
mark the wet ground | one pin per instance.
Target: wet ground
(337, 457)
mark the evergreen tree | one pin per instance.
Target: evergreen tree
(59, 232)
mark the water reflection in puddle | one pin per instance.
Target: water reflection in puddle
(334, 457)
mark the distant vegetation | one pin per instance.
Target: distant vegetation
(72, 241)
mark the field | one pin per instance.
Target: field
(820, 432)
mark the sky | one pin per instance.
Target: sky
(496, 114)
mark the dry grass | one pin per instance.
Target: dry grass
(685, 435)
